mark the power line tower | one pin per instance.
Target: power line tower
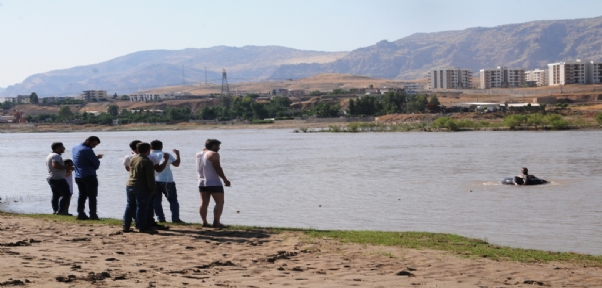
(225, 87)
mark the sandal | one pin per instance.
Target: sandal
(219, 226)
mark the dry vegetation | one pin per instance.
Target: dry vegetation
(322, 82)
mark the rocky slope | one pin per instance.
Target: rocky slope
(528, 45)
(157, 68)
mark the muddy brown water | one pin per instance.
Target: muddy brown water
(418, 181)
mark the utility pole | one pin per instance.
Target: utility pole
(205, 75)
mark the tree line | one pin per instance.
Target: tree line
(393, 102)
(248, 109)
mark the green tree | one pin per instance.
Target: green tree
(417, 104)
(351, 107)
(325, 110)
(338, 91)
(208, 113)
(65, 112)
(7, 105)
(392, 102)
(125, 98)
(113, 110)
(433, 103)
(33, 98)
(367, 105)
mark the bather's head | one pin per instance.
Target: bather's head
(525, 171)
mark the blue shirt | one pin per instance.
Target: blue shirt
(85, 161)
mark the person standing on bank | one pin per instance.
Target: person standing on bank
(86, 163)
(140, 186)
(165, 183)
(210, 171)
(56, 179)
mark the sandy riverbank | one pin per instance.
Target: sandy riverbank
(50, 253)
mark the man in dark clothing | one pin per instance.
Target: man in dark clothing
(524, 178)
(140, 187)
(86, 163)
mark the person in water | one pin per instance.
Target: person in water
(524, 178)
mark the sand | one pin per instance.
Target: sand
(45, 253)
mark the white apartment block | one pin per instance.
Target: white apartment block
(538, 76)
(147, 97)
(450, 78)
(413, 88)
(575, 72)
(502, 77)
(595, 72)
(93, 94)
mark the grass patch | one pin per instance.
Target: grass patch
(454, 244)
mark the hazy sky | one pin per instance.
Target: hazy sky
(39, 36)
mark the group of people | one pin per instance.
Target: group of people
(150, 178)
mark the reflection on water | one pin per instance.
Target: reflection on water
(436, 182)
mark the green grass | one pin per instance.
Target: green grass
(454, 244)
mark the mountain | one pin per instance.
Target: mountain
(528, 45)
(157, 68)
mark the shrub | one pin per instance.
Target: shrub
(556, 121)
(353, 127)
(599, 118)
(335, 128)
(262, 121)
(515, 120)
(445, 122)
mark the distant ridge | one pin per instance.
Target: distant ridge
(157, 68)
(527, 45)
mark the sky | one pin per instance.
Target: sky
(37, 36)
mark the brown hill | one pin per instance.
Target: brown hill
(322, 82)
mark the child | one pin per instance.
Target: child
(69, 179)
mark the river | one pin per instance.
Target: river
(416, 181)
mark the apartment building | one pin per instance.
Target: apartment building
(450, 78)
(595, 72)
(147, 97)
(502, 77)
(538, 76)
(570, 72)
(413, 88)
(88, 95)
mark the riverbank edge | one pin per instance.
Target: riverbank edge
(451, 243)
(329, 127)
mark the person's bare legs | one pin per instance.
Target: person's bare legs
(205, 198)
(217, 210)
